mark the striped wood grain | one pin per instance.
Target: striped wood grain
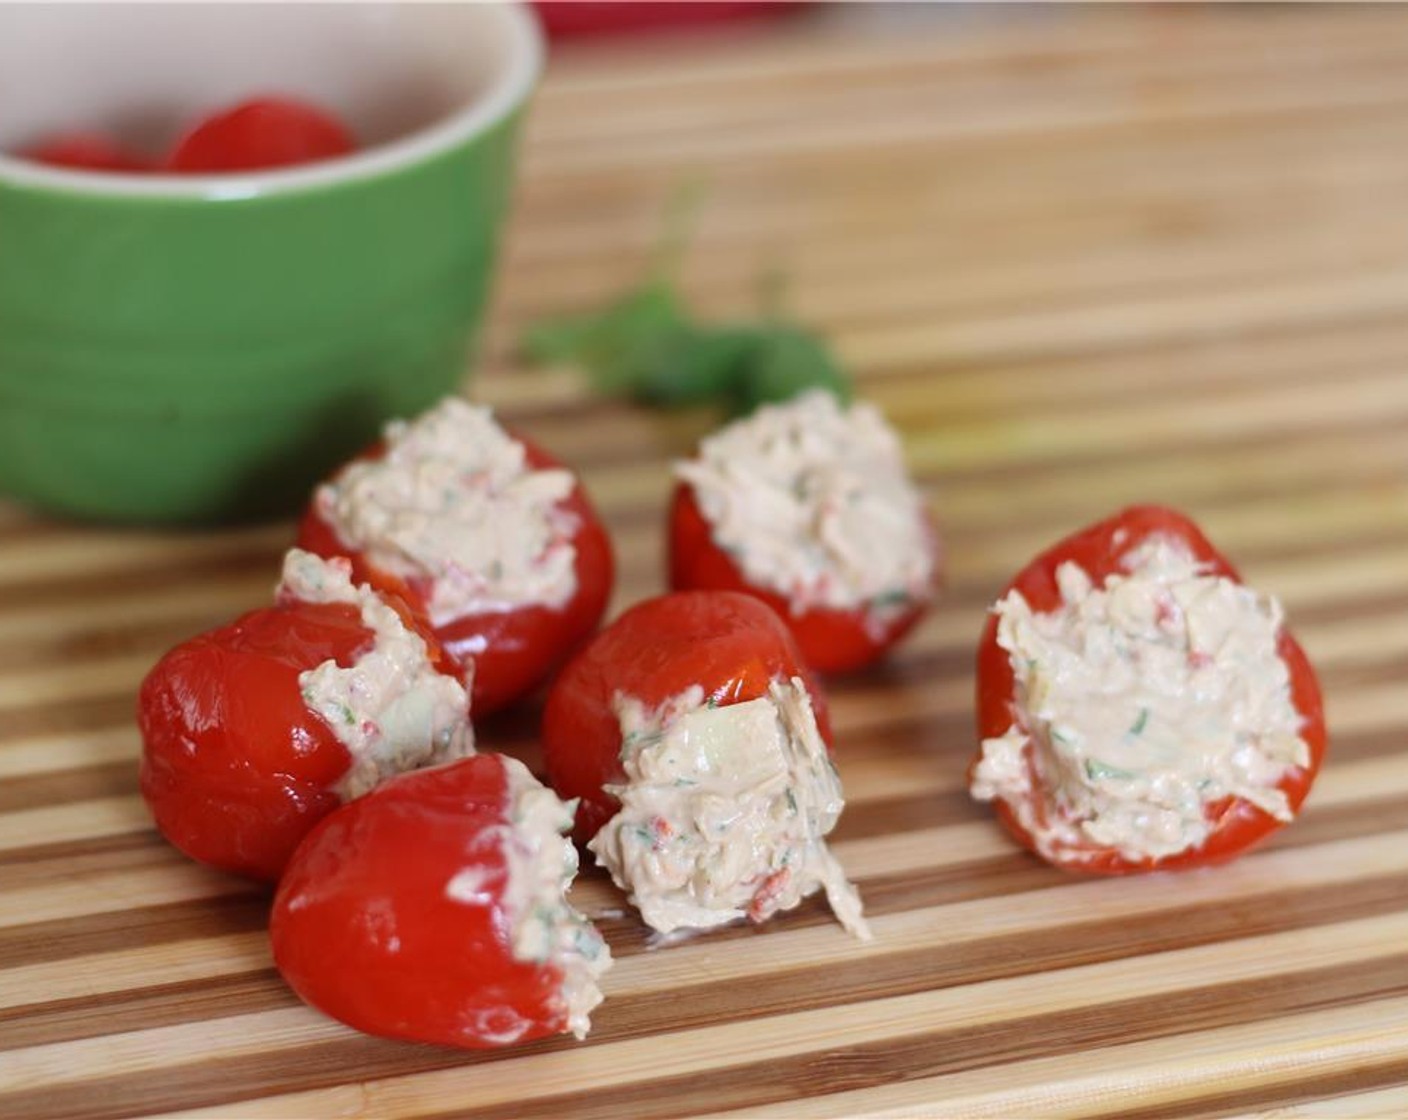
(1082, 258)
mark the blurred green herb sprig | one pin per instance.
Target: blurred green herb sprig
(648, 346)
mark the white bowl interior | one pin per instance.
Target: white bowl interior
(144, 72)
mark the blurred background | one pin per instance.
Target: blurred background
(1069, 217)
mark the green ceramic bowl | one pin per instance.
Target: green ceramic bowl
(204, 348)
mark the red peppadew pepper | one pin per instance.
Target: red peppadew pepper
(1236, 824)
(832, 640)
(260, 133)
(392, 915)
(731, 645)
(511, 651)
(85, 151)
(236, 768)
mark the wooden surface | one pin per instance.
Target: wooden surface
(1082, 258)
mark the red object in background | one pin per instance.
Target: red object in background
(364, 929)
(512, 651)
(731, 645)
(1099, 550)
(565, 18)
(261, 133)
(85, 151)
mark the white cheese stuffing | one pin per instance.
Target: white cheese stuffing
(812, 501)
(724, 812)
(391, 709)
(1139, 704)
(453, 505)
(543, 927)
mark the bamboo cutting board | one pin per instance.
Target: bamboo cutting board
(1082, 258)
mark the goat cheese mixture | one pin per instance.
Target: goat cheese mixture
(453, 505)
(543, 927)
(391, 709)
(1139, 704)
(812, 500)
(725, 811)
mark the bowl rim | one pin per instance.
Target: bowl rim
(508, 92)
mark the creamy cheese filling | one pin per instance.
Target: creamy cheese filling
(812, 500)
(391, 709)
(453, 503)
(543, 927)
(724, 811)
(1138, 705)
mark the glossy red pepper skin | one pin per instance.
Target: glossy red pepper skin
(1098, 549)
(731, 645)
(235, 767)
(831, 640)
(512, 651)
(260, 133)
(363, 930)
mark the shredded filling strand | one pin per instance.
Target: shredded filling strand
(391, 709)
(725, 811)
(812, 500)
(544, 928)
(453, 505)
(1139, 704)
